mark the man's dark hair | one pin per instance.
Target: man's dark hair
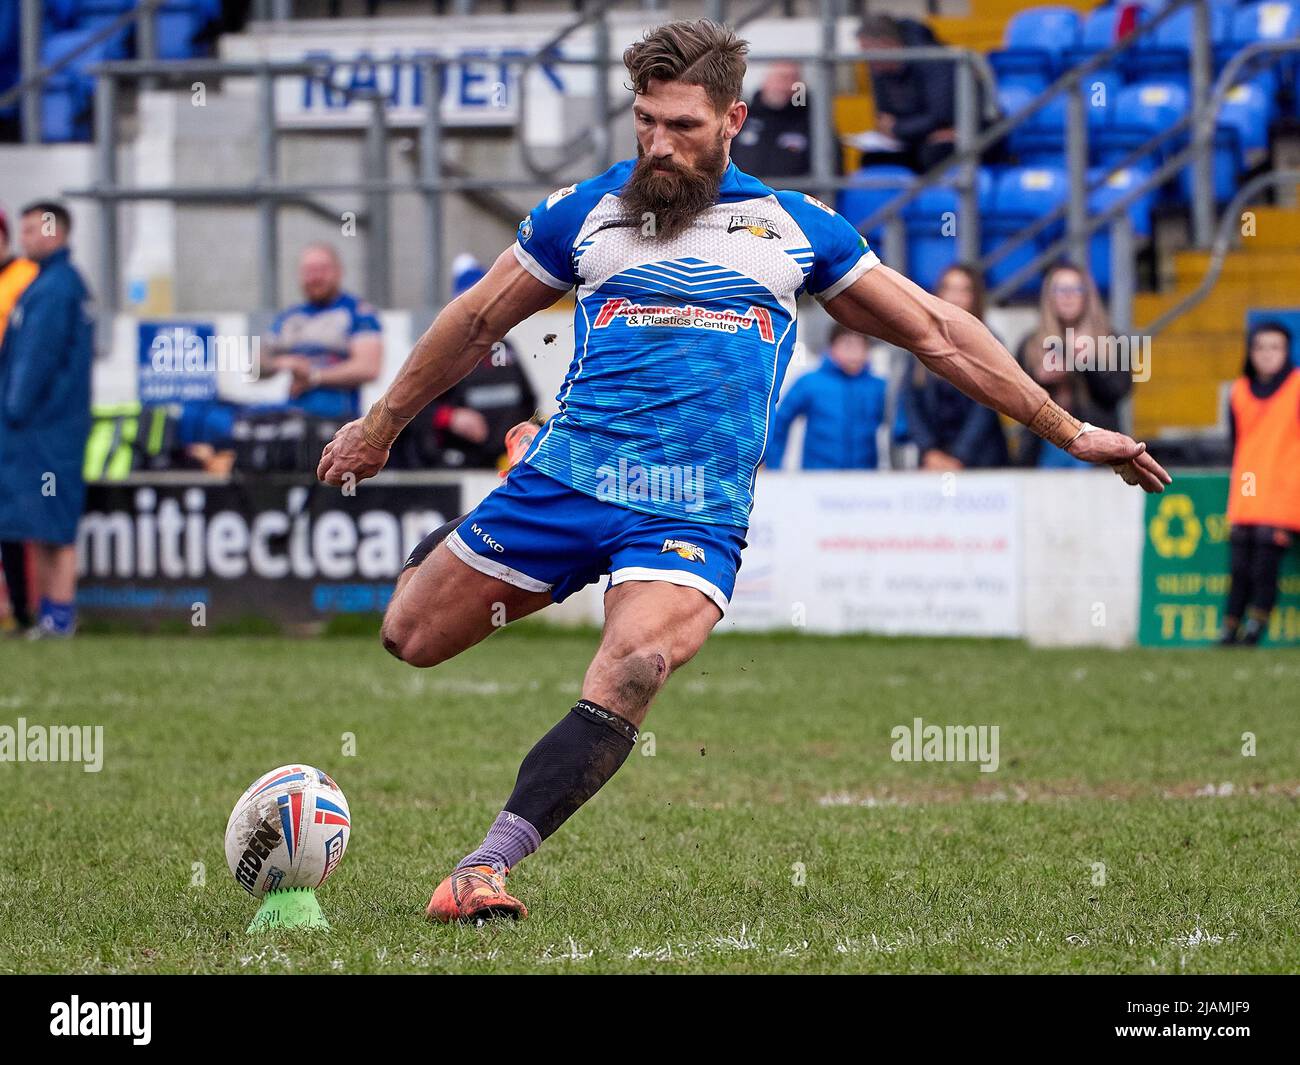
(53, 208)
(1272, 325)
(883, 27)
(699, 53)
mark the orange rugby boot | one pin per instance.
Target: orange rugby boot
(518, 440)
(474, 893)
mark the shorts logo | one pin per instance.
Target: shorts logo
(685, 316)
(482, 534)
(686, 550)
(525, 230)
(559, 194)
(748, 223)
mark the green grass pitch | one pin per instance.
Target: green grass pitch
(769, 830)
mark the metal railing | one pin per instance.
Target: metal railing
(267, 191)
(592, 148)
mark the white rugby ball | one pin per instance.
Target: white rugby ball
(288, 830)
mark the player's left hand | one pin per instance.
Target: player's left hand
(1125, 456)
(348, 454)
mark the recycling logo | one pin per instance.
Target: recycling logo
(1175, 529)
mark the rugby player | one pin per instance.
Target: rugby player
(688, 274)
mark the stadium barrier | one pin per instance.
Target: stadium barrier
(1059, 559)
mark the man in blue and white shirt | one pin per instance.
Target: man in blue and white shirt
(687, 275)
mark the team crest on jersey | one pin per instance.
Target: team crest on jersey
(685, 316)
(559, 194)
(685, 550)
(817, 203)
(748, 223)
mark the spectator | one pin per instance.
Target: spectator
(951, 431)
(330, 344)
(16, 273)
(1264, 493)
(45, 414)
(1070, 309)
(466, 426)
(915, 102)
(776, 139)
(842, 405)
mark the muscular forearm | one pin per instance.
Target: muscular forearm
(447, 351)
(964, 352)
(451, 347)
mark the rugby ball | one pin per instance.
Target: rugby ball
(288, 830)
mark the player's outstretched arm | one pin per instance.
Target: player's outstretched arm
(459, 337)
(958, 347)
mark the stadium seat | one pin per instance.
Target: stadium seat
(1271, 20)
(1139, 212)
(65, 108)
(932, 244)
(1168, 55)
(1034, 45)
(1249, 109)
(1023, 195)
(1141, 112)
(858, 204)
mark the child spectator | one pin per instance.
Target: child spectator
(1264, 493)
(842, 405)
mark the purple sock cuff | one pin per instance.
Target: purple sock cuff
(509, 841)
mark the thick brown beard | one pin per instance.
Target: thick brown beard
(675, 198)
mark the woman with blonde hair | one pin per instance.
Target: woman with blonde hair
(1061, 355)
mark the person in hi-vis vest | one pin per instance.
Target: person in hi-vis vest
(1264, 493)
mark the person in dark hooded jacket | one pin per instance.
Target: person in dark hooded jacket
(45, 365)
(950, 430)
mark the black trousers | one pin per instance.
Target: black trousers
(1256, 553)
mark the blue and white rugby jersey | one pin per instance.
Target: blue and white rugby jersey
(680, 345)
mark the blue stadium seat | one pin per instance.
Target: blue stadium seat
(1271, 20)
(1139, 213)
(1034, 45)
(858, 204)
(1168, 55)
(1140, 113)
(177, 23)
(1023, 195)
(1041, 141)
(1249, 108)
(932, 244)
(65, 108)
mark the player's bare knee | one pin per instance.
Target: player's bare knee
(637, 673)
(404, 639)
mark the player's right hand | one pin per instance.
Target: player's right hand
(348, 459)
(1124, 455)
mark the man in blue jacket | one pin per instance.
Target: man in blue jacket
(842, 404)
(45, 414)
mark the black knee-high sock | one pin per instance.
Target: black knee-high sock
(13, 555)
(425, 547)
(569, 765)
